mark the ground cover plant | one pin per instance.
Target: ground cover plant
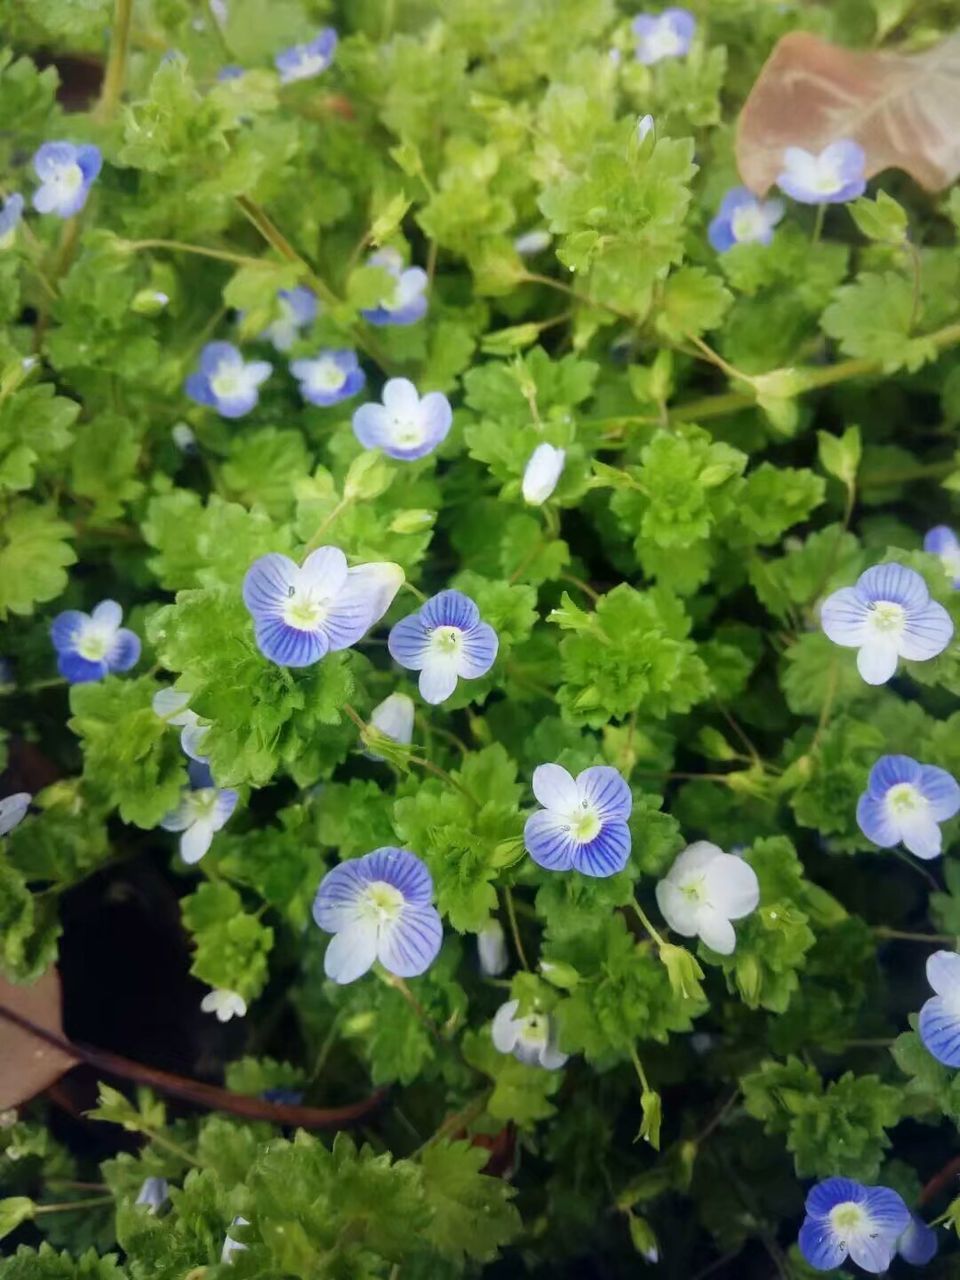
(478, 589)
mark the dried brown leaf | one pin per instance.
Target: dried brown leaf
(903, 109)
(29, 1065)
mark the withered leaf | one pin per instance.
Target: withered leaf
(28, 1065)
(903, 109)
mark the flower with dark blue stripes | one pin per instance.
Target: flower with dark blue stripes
(918, 1245)
(303, 612)
(445, 641)
(92, 645)
(583, 823)
(846, 1219)
(905, 802)
(406, 426)
(378, 907)
(939, 1024)
(203, 809)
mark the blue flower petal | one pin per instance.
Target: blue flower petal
(943, 973)
(894, 583)
(438, 677)
(80, 670)
(607, 792)
(408, 642)
(267, 584)
(548, 841)
(409, 947)
(403, 869)
(939, 1028)
(928, 632)
(64, 627)
(875, 822)
(450, 609)
(843, 617)
(828, 1194)
(478, 651)
(891, 770)
(289, 646)
(125, 650)
(819, 1246)
(606, 854)
(941, 790)
(918, 1244)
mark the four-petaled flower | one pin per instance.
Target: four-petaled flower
(405, 426)
(302, 612)
(66, 173)
(202, 811)
(304, 61)
(225, 381)
(904, 803)
(943, 542)
(13, 810)
(91, 645)
(406, 301)
(663, 35)
(583, 823)
(173, 705)
(887, 615)
(530, 1039)
(393, 717)
(378, 907)
(845, 1218)
(704, 890)
(329, 377)
(225, 1004)
(10, 218)
(153, 1194)
(939, 1023)
(542, 472)
(835, 175)
(445, 641)
(743, 219)
(918, 1244)
(492, 950)
(297, 309)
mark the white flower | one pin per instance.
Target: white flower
(153, 1194)
(13, 810)
(172, 705)
(394, 718)
(704, 890)
(644, 126)
(531, 242)
(201, 813)
(183, 437)
(529, 1039)
(543, 470)
(225, 1004)
(231, 1246)
(492, 949)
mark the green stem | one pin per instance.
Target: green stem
(642, 916)
(173, 1147)
(113, 78)
(89, 1203)
(181, 246)
(881, 931)
(638, 1067)
(514, 929)
(818, 224)
(325, 524)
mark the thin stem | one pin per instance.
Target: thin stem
(585, 587)
(514, 928)
(400, 985)
(113, 78)
(530, 277)
(881, 931)
(69, 1185)
(459, 1120)
(644, 920)
(173, 1147)
(89, 1203)
(325, 524)
(714, 358)
(203, 251)
(833, 677)
(916, 266)
(638, 1067)
(427, 765)
(818, 224)
(324, 1052)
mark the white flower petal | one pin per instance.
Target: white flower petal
(716, 931)
(351, 952)
(555, 788)
(505, 1030)
(732, 886)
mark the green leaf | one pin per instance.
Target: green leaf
(472, 1213)
(34, 554)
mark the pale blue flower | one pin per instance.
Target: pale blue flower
(173, 705)
(905, 802)
(379, 907)
(230, 72)
(406, 301)
(943, 542)
(835, 175)
(445, 641)
(10, 219)
(296, 310)
(13, 810)
(405, 426)
(91, 645)
(704, 890)
(202, 811)
(583, 823)
(743, 219)
(530, 1039)
(393, 717)
(645, 126)
(66, 173)
(492, 950)
(886, 616)
(918, 1244)
(542, 473)
(663, 35)
(303, 612)
(532, 242)
(304, 61)
(225, 382)
(153, 1194)
(846, 1219)
(329, 377)
(939, 1023)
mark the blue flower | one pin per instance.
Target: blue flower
(225, 382)
(918, 1244)
(583, 823)
(834, 176)
(406, 302)
(845, 1219)
(302, 612)
(10, 218)
(297, 310)
(743, 219)
(939, 1023)
(202, 811)
(405, 426)
(230, 72)
(886, 616)
(13, 810)
(904, 802)
(379, 907)
(283, 1097)
(331, 376)
(91, 645)
(663, 35)
(66, 174)
(445, 641)
(542, 473)
(172, 705)
(530, 1039)
(943, 542)
(153, 1194)
(304, 61)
